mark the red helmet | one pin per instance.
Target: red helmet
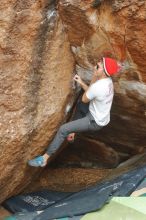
(111, 66)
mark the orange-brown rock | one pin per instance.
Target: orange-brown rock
(75, 179)
(119, 31)
(68, 179)
(4, 213)
(35, 85)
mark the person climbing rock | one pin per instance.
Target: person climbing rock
(92, 111)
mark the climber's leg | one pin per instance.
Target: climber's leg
(81, 125)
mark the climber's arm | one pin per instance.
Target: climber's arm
(84, 98)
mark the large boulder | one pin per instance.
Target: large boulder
(36, 83)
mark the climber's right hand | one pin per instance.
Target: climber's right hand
(78, 79)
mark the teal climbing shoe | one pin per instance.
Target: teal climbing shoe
(37, 162)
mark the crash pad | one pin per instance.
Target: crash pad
(87, 200)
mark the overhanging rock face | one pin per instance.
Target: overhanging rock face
(117, 29)
(39, 44)
(36, 73)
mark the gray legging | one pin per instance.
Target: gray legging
(83, 121)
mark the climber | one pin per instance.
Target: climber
(93, 111)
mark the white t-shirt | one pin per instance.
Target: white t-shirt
(101, 95)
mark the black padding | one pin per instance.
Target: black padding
(35, 201)
(59, 205)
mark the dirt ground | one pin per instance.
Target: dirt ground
(67, 179)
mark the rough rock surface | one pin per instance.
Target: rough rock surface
(39, 45)
(35, 85)
(4, 213)
(75, 179)
(87, 153)
(118, 29)
(68, 179)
